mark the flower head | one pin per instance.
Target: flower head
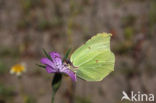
(18, 69)
(55, 65)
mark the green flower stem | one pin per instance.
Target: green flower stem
(56, 83)
(21, 89)
(53, 97)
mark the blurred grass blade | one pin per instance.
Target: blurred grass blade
(46, 54)
(56, 83)
(42, 66)
(66, 55)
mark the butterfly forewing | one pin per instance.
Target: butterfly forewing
(94, 59)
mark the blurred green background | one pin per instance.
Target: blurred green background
(27, 26)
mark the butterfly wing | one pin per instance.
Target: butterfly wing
(94, 59)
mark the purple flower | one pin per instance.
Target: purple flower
(56, 66)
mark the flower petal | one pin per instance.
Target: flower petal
(50, 69)
(70, 73)
(56, 58)
(48, 62)
(55, 54)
